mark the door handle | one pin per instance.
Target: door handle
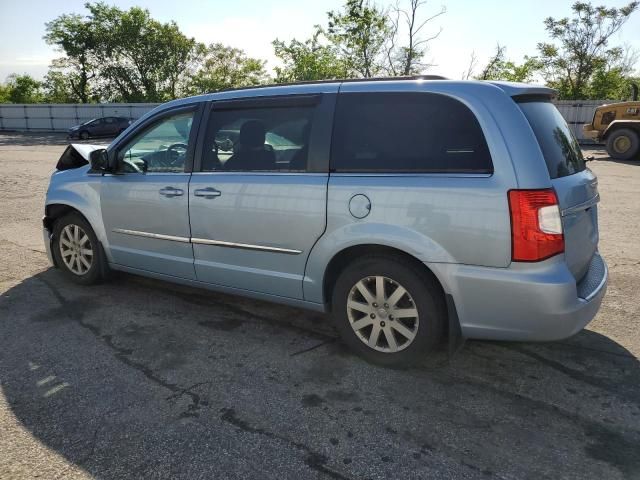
(208, 192)
(171, 192)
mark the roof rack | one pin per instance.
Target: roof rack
(336, 80)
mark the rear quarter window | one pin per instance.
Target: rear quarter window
(400, 132)
(560, 148)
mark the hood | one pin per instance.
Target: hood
(76, 155)
(85, 149)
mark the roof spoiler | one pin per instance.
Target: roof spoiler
(520, 91)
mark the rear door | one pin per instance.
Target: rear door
(258, 203)
(575, 185)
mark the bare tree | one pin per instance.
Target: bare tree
(407, 59)
(473, 63)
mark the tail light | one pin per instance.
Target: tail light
(536, 225)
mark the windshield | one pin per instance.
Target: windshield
(559, 147)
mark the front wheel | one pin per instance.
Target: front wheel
(623, 144)
(84, 135)
(77, 251)
(388, 310)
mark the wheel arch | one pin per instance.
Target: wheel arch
(344, 257)
(58, 208)
(55, 211)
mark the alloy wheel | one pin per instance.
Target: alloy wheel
(382, 314)
(76, 249)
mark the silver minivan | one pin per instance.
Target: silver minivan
(409, 209)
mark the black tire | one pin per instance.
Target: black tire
(422, 288)
(627, 139)
(98, 267)
(84, 135)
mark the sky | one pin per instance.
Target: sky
(468, 26)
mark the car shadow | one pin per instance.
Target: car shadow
(139, 378)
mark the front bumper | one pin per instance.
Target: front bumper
(524, 302)
(47, 239)
(590, 133)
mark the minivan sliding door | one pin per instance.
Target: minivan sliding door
(258, 202)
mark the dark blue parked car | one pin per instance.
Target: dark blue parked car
(100, 127)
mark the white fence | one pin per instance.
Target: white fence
(579, 112)
(60, 117)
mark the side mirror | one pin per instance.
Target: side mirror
(99, 160)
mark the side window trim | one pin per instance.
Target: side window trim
(150, 122)
(319, 138)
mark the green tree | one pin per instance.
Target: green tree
(312, 59)
(58, 88)
(360, 31)
(140, 58)
(114, 54)
(500, 68)
(612, 85)
(580, 46)
(181, 54)
(23, 89)
(5, 92)
(74, 36)
(611, 80)
(220, 67)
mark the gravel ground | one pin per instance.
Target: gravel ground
(139, 378)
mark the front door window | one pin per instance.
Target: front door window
(162, 148)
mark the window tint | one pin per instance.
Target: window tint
(559, 147)
(160, 148)
(258, 139)
(407, 132)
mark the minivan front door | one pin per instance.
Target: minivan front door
(258, 204)
(145, 204)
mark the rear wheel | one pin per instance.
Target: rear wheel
(623, 144)
(77, 250)
(388, 310)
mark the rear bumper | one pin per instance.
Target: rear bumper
(525, 302)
